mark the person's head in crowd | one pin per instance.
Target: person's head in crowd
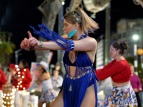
(117, 49)
(57, 66)
(23, 64)
(42, 67)
(11, 67)
(56, 73)
(132, 69)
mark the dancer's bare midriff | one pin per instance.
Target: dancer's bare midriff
(120, 84)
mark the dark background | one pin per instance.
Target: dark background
(17, 15)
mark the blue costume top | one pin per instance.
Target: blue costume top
(74, 87)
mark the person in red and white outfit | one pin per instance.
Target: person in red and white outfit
(2, 82)
(21, 81)
(10, 74)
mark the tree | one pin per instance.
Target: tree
(130, 59)
(6, 47)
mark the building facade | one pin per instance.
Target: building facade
(125, 30)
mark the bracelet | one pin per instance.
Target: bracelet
(41, 44)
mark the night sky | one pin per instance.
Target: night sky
(17, 15)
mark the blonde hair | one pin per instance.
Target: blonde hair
(87, 24)
(131, 65)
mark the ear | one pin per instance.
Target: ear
(119, 50)
(76, 25)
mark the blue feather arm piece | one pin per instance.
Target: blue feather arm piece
(49, 35)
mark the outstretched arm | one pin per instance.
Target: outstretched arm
(86, 44)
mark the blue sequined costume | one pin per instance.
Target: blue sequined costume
(74, 87)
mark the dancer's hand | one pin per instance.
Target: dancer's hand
(33, 41)
(24, 44)
(136, 90)
(140, 89)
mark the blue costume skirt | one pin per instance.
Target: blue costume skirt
(74, 89)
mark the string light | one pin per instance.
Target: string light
(7, 95)
(8, 90)
(16, 66)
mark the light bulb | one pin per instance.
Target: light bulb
(16, 66)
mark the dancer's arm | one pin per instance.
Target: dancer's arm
(86, 44)
(139, 83)
(28, 78)
(33, 86)
(116, 68)
(106, 66)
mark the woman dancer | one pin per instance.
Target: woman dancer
(122, 94)
(136, 84)
(79, 85)
(44, 78)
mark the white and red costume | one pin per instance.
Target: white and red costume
(21, 80)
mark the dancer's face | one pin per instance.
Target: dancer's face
(40, 68)
(11, 69)
(21, 66)
(68, 27)
(113, 52)
(56, 73)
